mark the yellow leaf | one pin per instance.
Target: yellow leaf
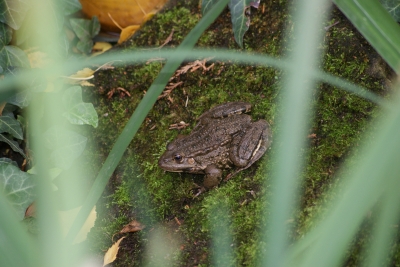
(100, 47)
(126, 13)
(38, 59)
(84, 74)
(68, 217)
(112, 252)
(86, 83)
(127, 32)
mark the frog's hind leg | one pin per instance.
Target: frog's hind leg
(249, 146)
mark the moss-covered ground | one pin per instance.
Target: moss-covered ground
(163, 202)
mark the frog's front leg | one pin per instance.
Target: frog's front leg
(211, 180)
(213, 176)
(250, 144)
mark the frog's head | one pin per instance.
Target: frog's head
(174, 160)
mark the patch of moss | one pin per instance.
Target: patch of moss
(140, 190)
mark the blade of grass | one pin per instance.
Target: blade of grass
(218, 54)
(384, 231)
(297, 92)
(129, 131)
(363, 185)
(377, 26)
(16, 246)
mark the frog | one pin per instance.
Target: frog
(225, 137)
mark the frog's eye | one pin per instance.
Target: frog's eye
(178, 158)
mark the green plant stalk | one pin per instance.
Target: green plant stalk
(292, 120)
(377, 26)
(129, 131)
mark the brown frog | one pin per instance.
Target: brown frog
(224, 137)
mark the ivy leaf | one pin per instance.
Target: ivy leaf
(14, 145)
(13, 56)
(65, 146)
(393, 7)
(11, 126)
(18, 186)
(5, 35)
(71, 6)
(8, 161)
(85, 30)
(78, 112)
(241, 22)
(12, 12)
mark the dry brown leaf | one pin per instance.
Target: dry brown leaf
(112, 252)
(31, 211)
(132, 227)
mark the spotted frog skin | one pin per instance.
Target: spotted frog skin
(224, 137)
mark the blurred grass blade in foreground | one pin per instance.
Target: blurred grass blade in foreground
(292, 124)
(372, 182)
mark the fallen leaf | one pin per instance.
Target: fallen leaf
(126, 13)
(68, 217)
(38, 59)
(132, 227)
(112, 252)
(31, 210)
(127, 33)
(100, 47)
(85, 74)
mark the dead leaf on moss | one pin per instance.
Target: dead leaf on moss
(100, 47)
(30, 211)
(112, 252)
(133, 226)
(68, 217)
(85, 74)
(168, 89)
(122, 92)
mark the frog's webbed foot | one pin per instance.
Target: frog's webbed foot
(200, 190)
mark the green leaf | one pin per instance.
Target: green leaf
(85, 46)
(66, 146)
(377, 26)
(13, 56)
(85, 30)
(11, 126)
(240, 22)
(7, 160)
(13, 144)
(12, 12)
(206, 5)
(71, 6)
(78, 111)
(393, 7)
(5, 35)
(18, 187)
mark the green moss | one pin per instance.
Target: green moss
(140, 190)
